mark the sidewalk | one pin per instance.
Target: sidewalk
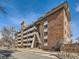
(37, 50)
(41, 52)
(55, 55)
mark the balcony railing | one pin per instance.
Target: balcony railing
(45, 30)
(46, 37)
(29, 44)
(30, 39)
(25, 40)
(45, 44)
(25, 44)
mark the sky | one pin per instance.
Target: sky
(13, 12)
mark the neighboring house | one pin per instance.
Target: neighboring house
(54, 26)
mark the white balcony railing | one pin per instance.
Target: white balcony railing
(45, 23)
(29, 44)
(19, 34)
(24, 35)
(31, 29)
(30, 34)
(18, 40)
(25, 32)
(25, 44)
(45, 44)
(19, 37)
(45, 30)
(46, 37)
(30, 39)
(24, 39)
(19, 44)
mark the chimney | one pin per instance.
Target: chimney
(23, 25)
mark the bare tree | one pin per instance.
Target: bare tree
(57, 45)
(8, 35)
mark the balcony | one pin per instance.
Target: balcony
(29, 44)
(45, 23)
(25, 44)
(46, 37)
(45, 44)
(30, 39)
(19, 44)
(30, 34)
(19, 41)
(19, 38)
(31, 29)
(19, 34)
(25, 32)
(25, 40)
(45, 30)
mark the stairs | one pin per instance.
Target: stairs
(36, 34)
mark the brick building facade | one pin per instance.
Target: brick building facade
(52, 28)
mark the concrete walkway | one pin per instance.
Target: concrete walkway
(40, 52)
(30, 55)
(36, 50)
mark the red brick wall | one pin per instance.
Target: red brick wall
(55, 27)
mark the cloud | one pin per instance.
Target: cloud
(77, 8)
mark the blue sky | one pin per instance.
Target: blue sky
(13, 12)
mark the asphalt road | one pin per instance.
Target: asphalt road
(29, 55)
(10, 54)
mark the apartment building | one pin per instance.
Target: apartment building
(27, 37)
(47, 31)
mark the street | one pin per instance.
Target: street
(34, 54)
(30, 55)
(25, 54)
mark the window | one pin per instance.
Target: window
(45, 33)
(45, 40)
(19, 42)
(46, 22)
(19, 36)
(25, 34)
(25, 46)
(30, 36)
(19, 39)
(30, 41)
(45, 26)
(29, 46)
(30, 31)
(25, 42)
(25, 38)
